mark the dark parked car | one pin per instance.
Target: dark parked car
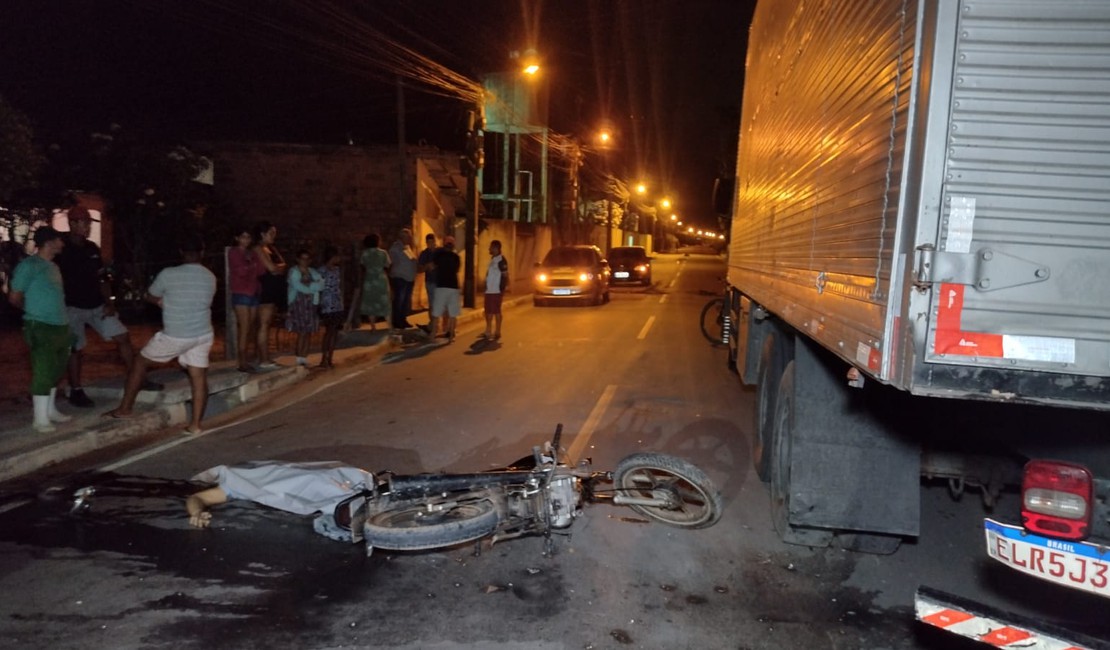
(630, 264)
(572, 273)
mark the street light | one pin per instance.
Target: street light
(529, 59)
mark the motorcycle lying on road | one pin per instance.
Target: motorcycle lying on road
(536, 495)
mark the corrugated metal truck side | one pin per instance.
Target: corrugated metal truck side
(922, 211)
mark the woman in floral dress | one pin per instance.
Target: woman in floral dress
(373, 280)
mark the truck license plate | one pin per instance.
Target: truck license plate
(1079, 565)
(620, 274)
(561, 292)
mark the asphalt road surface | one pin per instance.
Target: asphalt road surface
(633, 375)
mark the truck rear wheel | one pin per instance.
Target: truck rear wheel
(782, 442)
(772, 361)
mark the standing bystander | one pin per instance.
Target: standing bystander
(90, 303)
(243, 270)
(184, 293)
(497, 281)
(402, 277)
(373, 281)
(302, 318)
(424, 265)
(446, 301)
(37, 290)
(272, 281)
(331, 304)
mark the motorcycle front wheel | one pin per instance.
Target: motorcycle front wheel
(413, 526)
(691, 500)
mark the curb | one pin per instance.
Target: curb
(98, 432)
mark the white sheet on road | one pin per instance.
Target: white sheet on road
(301, 488)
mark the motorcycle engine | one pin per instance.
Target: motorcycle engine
(562, 502)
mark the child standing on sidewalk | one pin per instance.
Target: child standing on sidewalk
(332, 313)
(305, 285)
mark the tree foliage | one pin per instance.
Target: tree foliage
(20, 160)
(149, 189)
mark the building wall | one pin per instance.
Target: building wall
(318, 195)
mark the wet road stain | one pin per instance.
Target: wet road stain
(257, 574)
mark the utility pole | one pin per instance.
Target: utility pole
(608, 226)
(475, 155)
(401, 207)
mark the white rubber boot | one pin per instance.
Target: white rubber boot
(53, 412)
(42, 413)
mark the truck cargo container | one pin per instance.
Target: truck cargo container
(921, 228)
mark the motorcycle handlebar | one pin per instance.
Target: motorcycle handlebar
(555, 441)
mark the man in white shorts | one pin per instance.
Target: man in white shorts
(445, 302)
(184, 293)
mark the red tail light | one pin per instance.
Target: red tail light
(1056, 499)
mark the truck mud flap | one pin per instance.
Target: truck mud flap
(993, 627)
(849, 469)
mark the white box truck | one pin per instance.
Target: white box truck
(921, 228)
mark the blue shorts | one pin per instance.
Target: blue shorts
(243, 300)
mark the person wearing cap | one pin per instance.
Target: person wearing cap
(89, 302)
(445, 303)
(184, 293)
(37, 290)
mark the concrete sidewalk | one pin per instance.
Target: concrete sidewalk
(23, 450)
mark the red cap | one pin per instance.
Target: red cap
(79, 212)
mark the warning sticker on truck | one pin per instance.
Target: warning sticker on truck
(961, 221)
(1038, 348)
(950, 338)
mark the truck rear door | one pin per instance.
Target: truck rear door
(1020, 266)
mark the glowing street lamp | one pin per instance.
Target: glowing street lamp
(641, 188)
(529, 60)
(666, 203)
(674, 217)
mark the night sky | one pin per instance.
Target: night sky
(667, 74)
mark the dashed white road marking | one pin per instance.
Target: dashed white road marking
(583, 437)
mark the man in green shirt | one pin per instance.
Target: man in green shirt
(37, 290)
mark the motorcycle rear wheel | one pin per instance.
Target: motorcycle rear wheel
(410, 526)
(696, 502)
